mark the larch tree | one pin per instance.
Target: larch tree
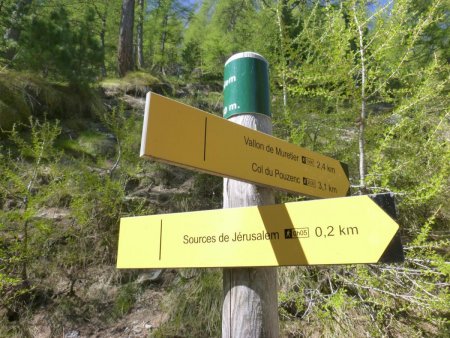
(164, 34)
(352, 58)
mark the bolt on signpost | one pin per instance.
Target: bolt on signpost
(250, 305)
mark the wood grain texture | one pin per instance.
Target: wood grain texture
(250, 305)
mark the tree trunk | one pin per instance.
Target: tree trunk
(140, 36)
(280, 21)
(125, 49)
(12, 33)
(363, 113)
(163, 42)
(250, 294)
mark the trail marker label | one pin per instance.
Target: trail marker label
(330, 231)
(185, 136)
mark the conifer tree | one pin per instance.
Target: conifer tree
(348, 53)
(14, 26)
(164, 29)
(58, 49)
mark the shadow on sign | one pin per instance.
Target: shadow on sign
(287, 249)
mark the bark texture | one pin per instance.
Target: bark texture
(125, 49)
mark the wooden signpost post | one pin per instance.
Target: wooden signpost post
(251, 235)
(250, 295)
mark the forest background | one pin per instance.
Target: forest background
(365, 82)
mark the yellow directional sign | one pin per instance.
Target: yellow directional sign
(179, 134)
(329, 231)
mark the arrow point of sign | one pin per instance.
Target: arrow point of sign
(350, 230)
(394, 250)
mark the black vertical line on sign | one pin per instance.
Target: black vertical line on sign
(204, 140)
(160, 240)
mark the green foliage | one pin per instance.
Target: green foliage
(375, 300)
(419, 173)
(89, 144)
(60, 49)
(222, 28)
(65, 186)
(191, 55)
(96, 206)
(407, 152)
(13, 105)
(24, 94)
(125, 300)
(164, 30)
(25, 235)
(194, 306)
(325, 59)
(40, 182)
(136, 82)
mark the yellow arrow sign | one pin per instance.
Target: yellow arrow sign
(176, 133)
(331, 231)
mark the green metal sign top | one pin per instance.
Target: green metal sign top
(246, 85)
